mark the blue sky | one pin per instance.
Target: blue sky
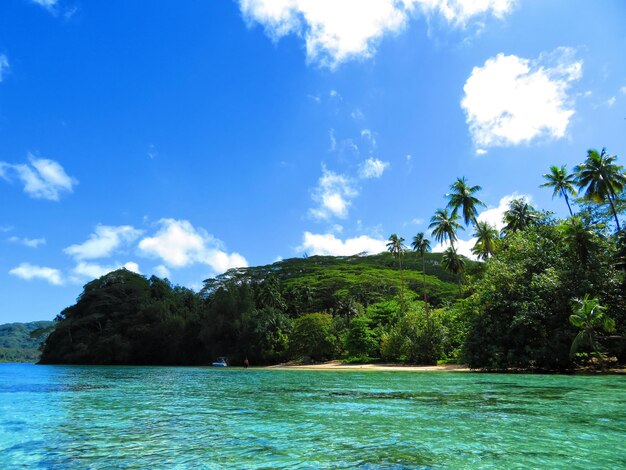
(185, 138)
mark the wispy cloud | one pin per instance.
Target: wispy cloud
(29, 242)
(511, 100)
(333, 195)
(42, 178)
(29, 272)
(4, 65)
(372, 168)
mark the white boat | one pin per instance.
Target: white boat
(221, 362)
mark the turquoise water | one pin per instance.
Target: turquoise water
(160, 417)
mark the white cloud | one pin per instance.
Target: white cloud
(623, 90)
(511, 100)
(42, 178)
(4, 65)
(611, 101)
(333, 140)
(329, 244)
(481, 151)
(29, 272)
(94, 270)
(368, 135)
(372, 168)
(180, 244)
(333, 194)
(335, 31)
(162, 271)
(29, 242)
(45, 3)
(103, 242)
(462, 247)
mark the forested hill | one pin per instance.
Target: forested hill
(19, 344)
(124, 318)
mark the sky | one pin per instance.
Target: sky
(182, 139)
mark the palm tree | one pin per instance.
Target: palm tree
(396, 247)
(561, 182)
(487, 240)
(421, 245)
(579, 236)
(589, 317)
(519, 216)
(444, 226)
(453, 263)
(462, 197)
(602, 178)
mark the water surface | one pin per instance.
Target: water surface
(147, 417)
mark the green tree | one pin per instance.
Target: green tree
(519, 216)
(454, 264)
(444, 226)
(487, 240)
(601, 179)
(589, 316)
(396, 247)
(462, 196)
(312, 336)
(580, 237)
(561, 182)
(361, 340)
(421, 245)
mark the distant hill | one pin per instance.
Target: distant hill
(16, 343)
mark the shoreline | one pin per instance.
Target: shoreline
(391, 367)
(383, 367)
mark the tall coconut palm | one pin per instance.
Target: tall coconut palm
(444, 226)
(421, 245)
(487, 240)
(579, 236)
(519, 216)
(396, 247)
(561, 182)
(454, 264)
(601, 178)
(462, 197)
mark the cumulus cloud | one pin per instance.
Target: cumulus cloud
(372, 168)
(29, 242)
(178, 243)
(4, 65)
(29, 272)
(333, 195)
(103, 242)
(45, 3)
(162, 271)
(335, 31)
(329, 244)
(511, 100)
(85, 270)
(42, 178)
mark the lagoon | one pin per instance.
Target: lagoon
(163, 417)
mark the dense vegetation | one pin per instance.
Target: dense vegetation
(20, 342)
(549, 294)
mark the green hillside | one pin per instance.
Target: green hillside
(124, 318)
(17, 344)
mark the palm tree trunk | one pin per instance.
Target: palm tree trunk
(567, 202)
(402, 283)
(611, 196)
(424, 289)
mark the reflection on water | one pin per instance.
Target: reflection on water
(98, 417)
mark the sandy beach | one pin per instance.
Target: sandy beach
(337, 365)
